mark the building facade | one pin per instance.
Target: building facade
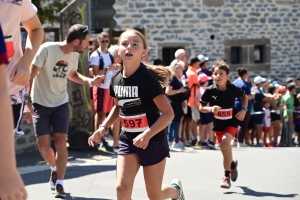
(262, 35)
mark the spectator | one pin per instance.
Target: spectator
(17, 69)
(103, 64)
(242, 82)
(158, 62)
(203, 67)
(175, 92)
(11, 184)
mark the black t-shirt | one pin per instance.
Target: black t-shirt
(225, 99)
(177, 99)
(135, 96)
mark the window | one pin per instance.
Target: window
(258, 54)
(168, 54)
(254, 54)
(236, 55)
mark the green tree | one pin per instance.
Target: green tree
(50, 13)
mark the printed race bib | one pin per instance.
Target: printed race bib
(136, 123)
(224, 114)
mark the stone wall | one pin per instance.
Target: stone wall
(190, 23)
(26, 143)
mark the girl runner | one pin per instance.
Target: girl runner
(144, 111)
(221, 96)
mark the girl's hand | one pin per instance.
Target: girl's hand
(141, 141)
(96, 137)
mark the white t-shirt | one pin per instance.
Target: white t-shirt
(95, 61)
(198, 96)
(267, 117)
(12, 13)
(49, 87)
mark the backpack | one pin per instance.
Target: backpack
(101, 62)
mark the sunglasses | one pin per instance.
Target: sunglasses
(86, 29)
(104, 41)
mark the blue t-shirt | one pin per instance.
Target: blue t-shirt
(247, 88)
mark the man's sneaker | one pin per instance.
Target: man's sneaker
(60, 193)
(234, 172)
(211, 145)
(19, 133)
(177, 185)
(53, 178)
(104, 146)
(178, 145)
(225, 183)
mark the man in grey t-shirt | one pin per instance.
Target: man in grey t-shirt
(54, 63)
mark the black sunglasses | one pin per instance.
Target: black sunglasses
(104, 41)
(86, 29)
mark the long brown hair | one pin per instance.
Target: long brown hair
(163, 74)
(222, 66)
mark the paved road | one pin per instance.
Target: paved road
(264, 173)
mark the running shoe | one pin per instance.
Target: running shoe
(204, 145)
(211, 145)
(60, 193)
(234, 172)
(178, 145)
(52, 181)
(225, 183)
(104, 146)
(176, 183)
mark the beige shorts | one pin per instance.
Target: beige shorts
(195, 114)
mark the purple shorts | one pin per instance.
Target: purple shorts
(153, 154)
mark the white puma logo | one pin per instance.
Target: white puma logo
(214, 97)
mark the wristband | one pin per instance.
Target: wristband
(211, 109)
(103, 125)
(244, 108)
(90, 81)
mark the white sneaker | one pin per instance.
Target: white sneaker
(19, 133)
(170, 144)
(51, 185)
(176, 183)
(178, 145)
(242, 145)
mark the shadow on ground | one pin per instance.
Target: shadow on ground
(72, 172)
(249, 192)
(69, 196)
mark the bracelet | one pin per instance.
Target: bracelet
(90, 81)
(211, 109)
(103, 125)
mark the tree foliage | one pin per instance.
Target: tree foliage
(51, 12)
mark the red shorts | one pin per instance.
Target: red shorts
(230, 129)
(102, 100)
(266, 129)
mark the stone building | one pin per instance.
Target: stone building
(262, 35)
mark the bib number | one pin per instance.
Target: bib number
(136, 123)
(223, 114)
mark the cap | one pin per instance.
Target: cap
(282, 89)
(259, 79)
(202, 58)
(203, 78)
(194, 59)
